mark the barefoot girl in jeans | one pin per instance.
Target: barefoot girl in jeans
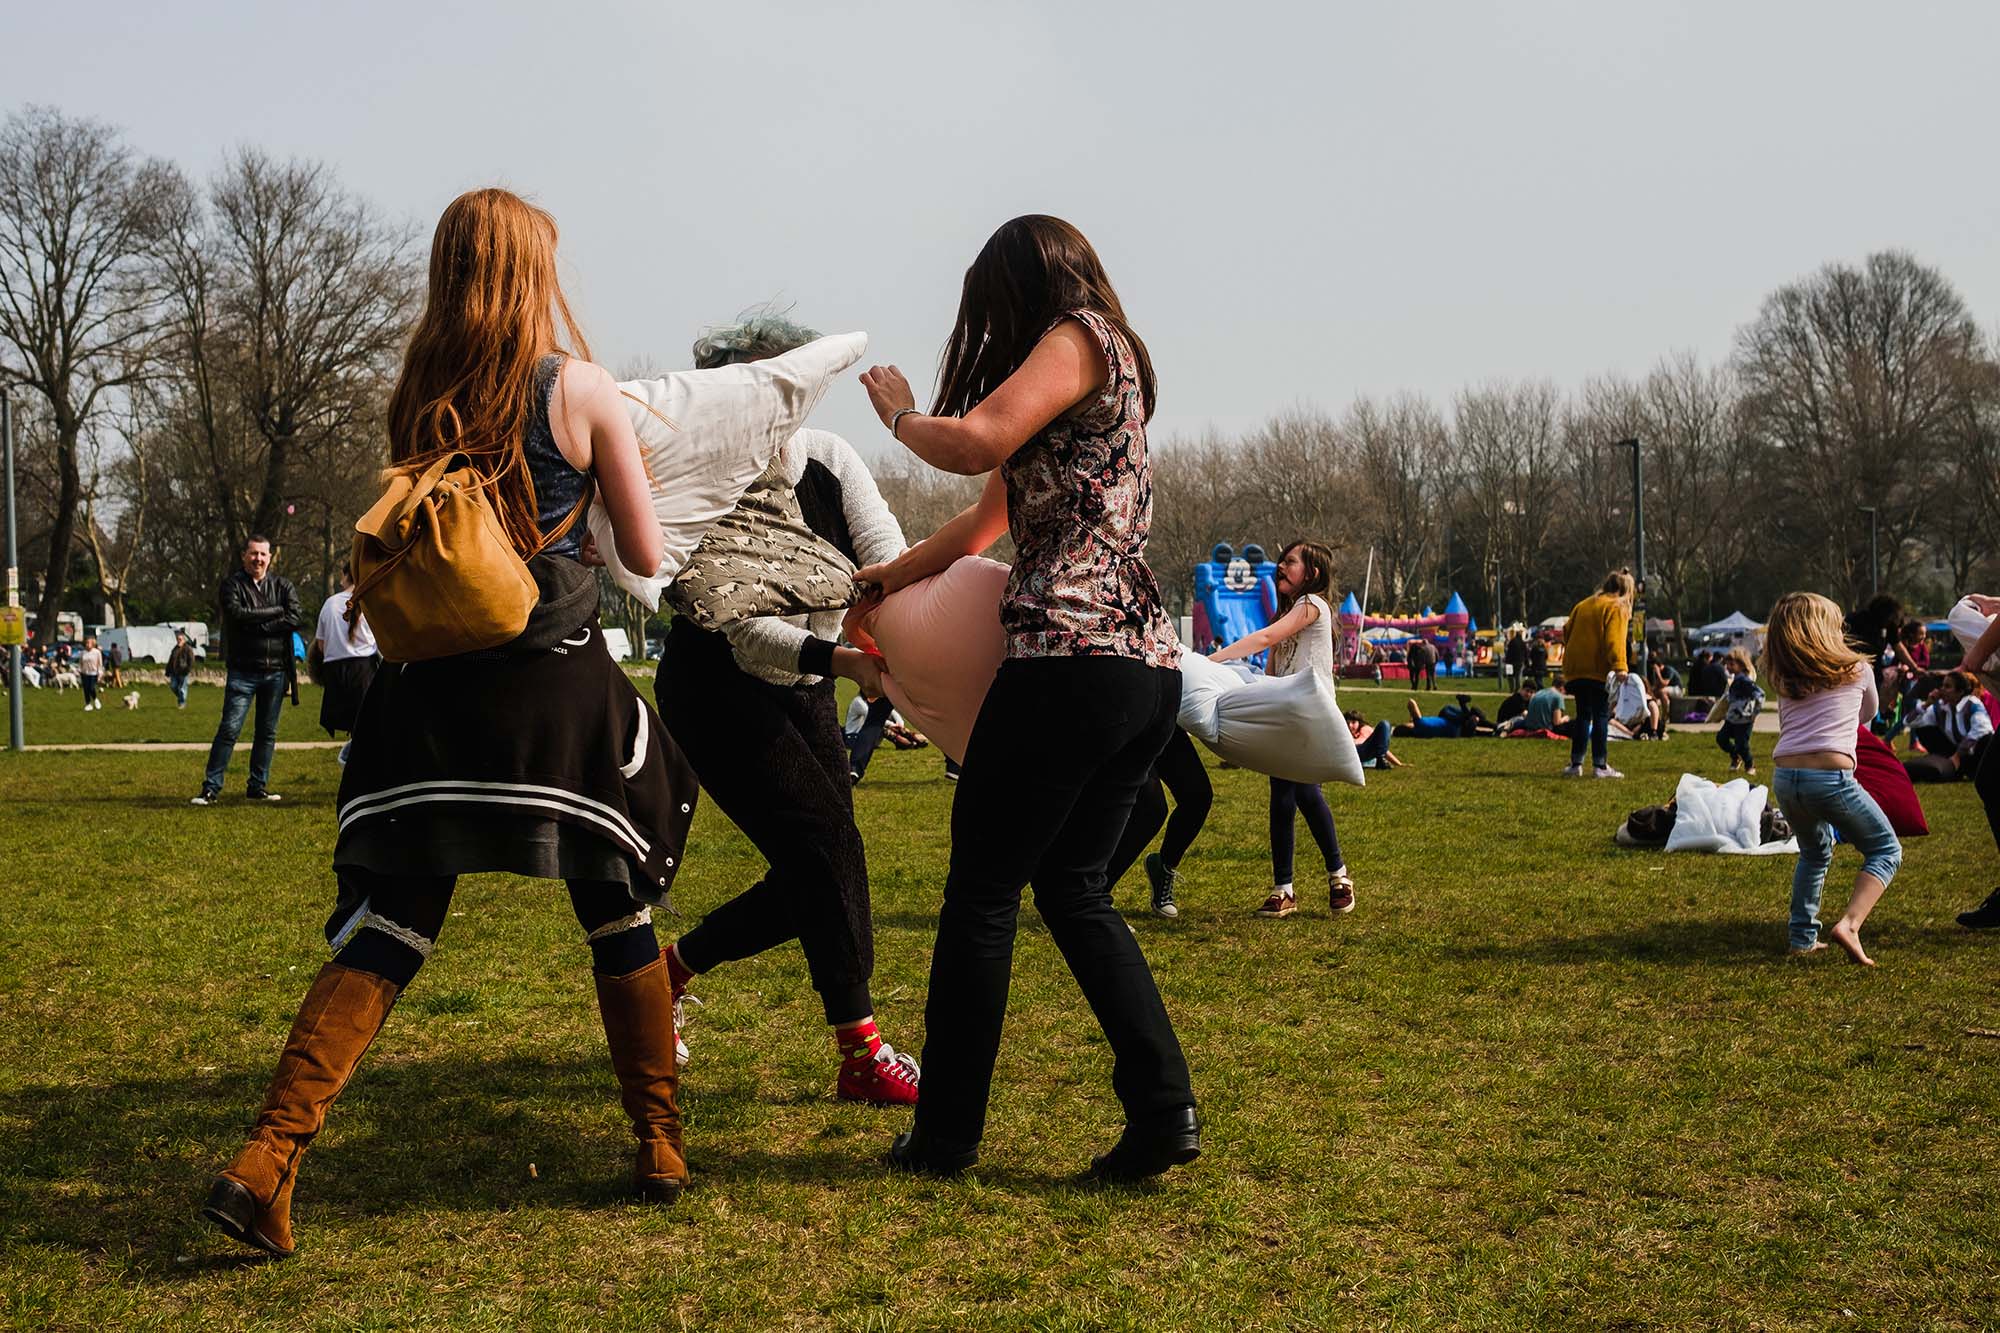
(1825, 691)
(1047, 388)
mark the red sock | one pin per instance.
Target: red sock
(858, 1041)
(678, 973)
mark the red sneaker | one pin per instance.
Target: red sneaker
(890, 1079)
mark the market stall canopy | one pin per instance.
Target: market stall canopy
(1659, 625)
(1734, 623)
(1555, 622)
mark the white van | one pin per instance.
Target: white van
(152, 643)
(618, 643)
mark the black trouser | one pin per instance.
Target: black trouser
(774, 759)
(391, 933)
(1734, 738)
(1984, 764)
(1593, 723)
(1180, 769)
(1300, 798)
(861, 745)
(1056, 760)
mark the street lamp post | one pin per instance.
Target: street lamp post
(16, 729)
(1638, 550)
(1874, 551)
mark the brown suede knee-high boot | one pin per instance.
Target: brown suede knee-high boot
(252, 1197)
(638, 1011)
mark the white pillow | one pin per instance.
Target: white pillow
(1967, 623)
(705, 435)
(1283, 727)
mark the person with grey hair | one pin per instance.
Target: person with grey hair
(752, 708)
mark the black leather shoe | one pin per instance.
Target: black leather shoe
(1986, 916)
(921, 1155)
(1170, 1140)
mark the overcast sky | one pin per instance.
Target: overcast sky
(1298, 202)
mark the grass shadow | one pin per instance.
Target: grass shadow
(121, 1168)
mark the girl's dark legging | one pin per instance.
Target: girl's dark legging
(391, 933)
(1287, 799)
(1986, 781)
(1180, 770)
(1734, 738)
(1022, 815)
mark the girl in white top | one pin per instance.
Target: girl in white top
(1825, 691)
(1300, 639)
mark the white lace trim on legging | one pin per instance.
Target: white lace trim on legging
(365, 918)
(642, 917)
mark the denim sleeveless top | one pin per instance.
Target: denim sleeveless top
(559, 487)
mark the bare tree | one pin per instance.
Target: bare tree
(118, 473)
(75, 208)
(1853, 377)
(313, 295)
(1507, 438)
(1198, 500)
(1404, 477)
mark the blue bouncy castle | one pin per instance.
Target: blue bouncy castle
(1234, 595)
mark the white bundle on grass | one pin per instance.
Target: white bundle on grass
(706, 435)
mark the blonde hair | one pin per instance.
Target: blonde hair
(1618, 583)
(1739, 662)
(1805, 646)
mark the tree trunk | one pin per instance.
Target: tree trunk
(269, 519)
(62, 532)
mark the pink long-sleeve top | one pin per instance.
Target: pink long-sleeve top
(1826, 721)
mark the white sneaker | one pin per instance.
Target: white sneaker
(1573, 771)
(206, 798)
(1606, 771)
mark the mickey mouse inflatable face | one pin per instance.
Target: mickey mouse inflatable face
(1239, 577)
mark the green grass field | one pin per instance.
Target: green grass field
(1533, 1081)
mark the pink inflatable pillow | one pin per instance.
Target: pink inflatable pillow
(941, 642)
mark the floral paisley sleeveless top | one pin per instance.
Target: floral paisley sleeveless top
(1079, 506)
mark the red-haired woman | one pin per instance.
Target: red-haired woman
(537, 757)
(1046, 387)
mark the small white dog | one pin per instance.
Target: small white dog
(132, 699)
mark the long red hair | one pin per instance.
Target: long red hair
(491, 313)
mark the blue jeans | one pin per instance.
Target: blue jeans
(1817, 801)
(1593, 723)
(179, 685)
(268, 689)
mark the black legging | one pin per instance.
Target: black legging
(391, 933)
(1986, 781)
(1026, 814)
(775, 761)
(1288, 799)
(1180, 769)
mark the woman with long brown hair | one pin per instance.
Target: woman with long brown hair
(1300, 639)
(1046, 388)
(537, 757)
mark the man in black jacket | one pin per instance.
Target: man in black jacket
(259, 612)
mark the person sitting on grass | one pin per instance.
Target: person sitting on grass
(1513, 707)
(1545, 711)
(1371, 743)
(1950, 726)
